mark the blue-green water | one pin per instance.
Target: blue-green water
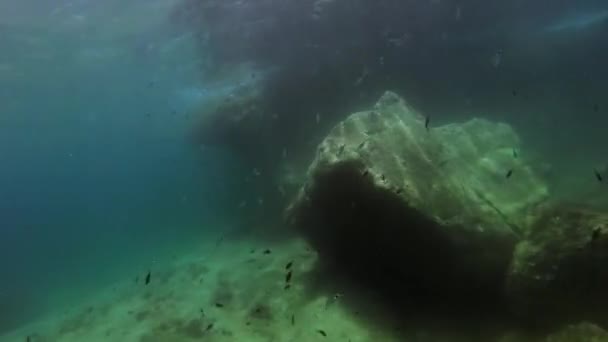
(98, 176)
(104, 173)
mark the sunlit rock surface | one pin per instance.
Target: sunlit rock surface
(437, 210)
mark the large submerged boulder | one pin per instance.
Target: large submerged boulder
(559, 269)
(435, 211)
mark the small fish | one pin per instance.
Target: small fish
(427, 121)
(515, 154)
(383, 178)
(293, 319)
(365, 173)
(28, 339)
(398, 191)
(318, 118)
(341, 149)
(148, 278)
(287, 287)
(598, 175)
(323, 333)
(209, 327)
(509, 173)
(361, 145)
(288, 277)
(514, 92)
(267, 251)
(332, 300)
(289, 264)
(136, 279)
(148, 115)
(150, 84)
(596, 108)
(219, 305)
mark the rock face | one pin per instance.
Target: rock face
(436, 211)
(580, 332)
(559, 270)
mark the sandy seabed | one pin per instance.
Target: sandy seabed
(235, 290)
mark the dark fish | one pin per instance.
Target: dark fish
(148, 278)
(427, 121)
(365, 173)
(341, 149)
(209, 327)
(323, 333)
(598, 175)
(383, 178)
(148, 115)
(293, 319)
(596, 234)
(267, 251)
(288, 277)
(509, 173)
(361, 145)
(514, 92)
(515, 155)
(289, 264)
(136, 279)
(28, 339)
(287, 287)
(150, 84)
(219, 305)
(398, 191)
(596, 107)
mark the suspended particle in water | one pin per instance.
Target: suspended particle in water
(318, 118)
(497, 58)
(284, 154)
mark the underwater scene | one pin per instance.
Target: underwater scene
(303, 170)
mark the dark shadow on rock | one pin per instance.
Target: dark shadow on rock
(391, 255)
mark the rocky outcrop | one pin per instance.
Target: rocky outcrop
(438, 210)
(579, 332)
(559, 270)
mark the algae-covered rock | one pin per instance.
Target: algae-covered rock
(438, 208)
(559, 270)
(583, 332)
